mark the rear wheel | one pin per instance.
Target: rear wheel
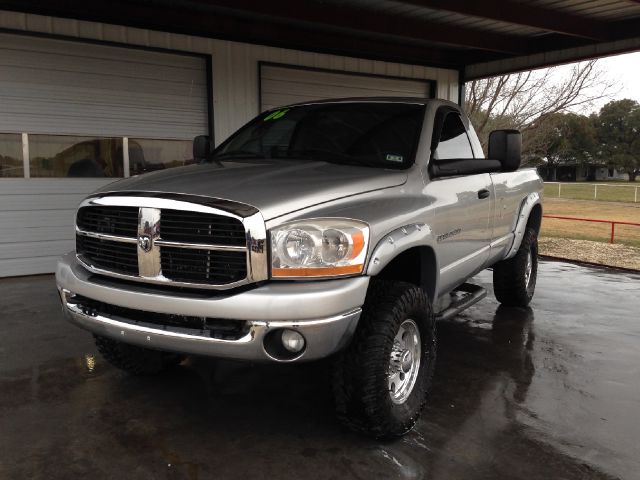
(382, 380)
(135, 360)
(514, 280)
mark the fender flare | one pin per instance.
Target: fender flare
(528, 203)
(398, 241)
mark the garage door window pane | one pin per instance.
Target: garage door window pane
(71, 156)
(11, 155)
(146, 155)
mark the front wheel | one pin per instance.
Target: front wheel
(382, 380)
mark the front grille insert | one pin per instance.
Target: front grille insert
(218, 328)
(196, 227)
(203, 266)
(108, 236)
(110, 255)
(121, 221)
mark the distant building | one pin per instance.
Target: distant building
(580, 172)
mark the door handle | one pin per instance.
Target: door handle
(484, 193)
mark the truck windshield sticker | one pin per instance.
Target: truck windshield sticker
(276, 115)
(394, 158)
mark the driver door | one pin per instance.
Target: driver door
(463, 206)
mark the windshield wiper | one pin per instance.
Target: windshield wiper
(238, 154)
(331, 156)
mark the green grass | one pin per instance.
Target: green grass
(607, 192)
(595, 238)
(601, 232)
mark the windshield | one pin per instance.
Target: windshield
(381, 135)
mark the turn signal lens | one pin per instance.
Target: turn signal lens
(358, 244)
(326, 247)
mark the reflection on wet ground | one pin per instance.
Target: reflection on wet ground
(547, 392)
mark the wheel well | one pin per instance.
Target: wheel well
(416, 265)
(535, 218)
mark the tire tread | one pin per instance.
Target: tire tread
(357, 371)
(135, 360)
(508, 275)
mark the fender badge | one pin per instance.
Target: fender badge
(450, 234)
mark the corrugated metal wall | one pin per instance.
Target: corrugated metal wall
(555, 57)
(61, 87)
(235, 77)
(235, 65)
(33, 207)
(57, 88)
(37, 221)
(285, 85)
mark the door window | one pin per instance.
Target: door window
(454, 142)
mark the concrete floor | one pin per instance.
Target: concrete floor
(548, 392)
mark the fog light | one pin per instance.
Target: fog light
(292, 341)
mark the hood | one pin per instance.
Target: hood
(275, 187)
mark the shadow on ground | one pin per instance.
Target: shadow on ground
(546, 392)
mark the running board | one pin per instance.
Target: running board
(462, 298)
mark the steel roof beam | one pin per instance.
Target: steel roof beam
(521, 13)
(364, 22)
(243, 29)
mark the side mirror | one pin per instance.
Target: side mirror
(201, 148)
(506, 147)
(452, 167)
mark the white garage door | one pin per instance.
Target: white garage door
(71, 109)
(284, 85)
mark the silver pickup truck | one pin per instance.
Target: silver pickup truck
(340, 229)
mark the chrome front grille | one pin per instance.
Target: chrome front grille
(118, 257)
(109, 220)
(203, 266)
(171, 241)
(194, 227)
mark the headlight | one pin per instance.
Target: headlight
(325, 247)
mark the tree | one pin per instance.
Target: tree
(618, 132)
(524, 100)
(569, 138)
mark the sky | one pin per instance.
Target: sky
(624, 70)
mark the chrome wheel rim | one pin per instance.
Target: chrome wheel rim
(528, 269)
(404, 363)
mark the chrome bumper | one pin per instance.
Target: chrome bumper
(325, 313)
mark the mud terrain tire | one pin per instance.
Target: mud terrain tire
(514, 280)
(135, 360)
(362, 374)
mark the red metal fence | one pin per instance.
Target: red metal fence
(612, 222)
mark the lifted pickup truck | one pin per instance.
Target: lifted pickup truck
(340, 228)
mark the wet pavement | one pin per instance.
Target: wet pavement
(551, 392)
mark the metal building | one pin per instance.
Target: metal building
(95, 91)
